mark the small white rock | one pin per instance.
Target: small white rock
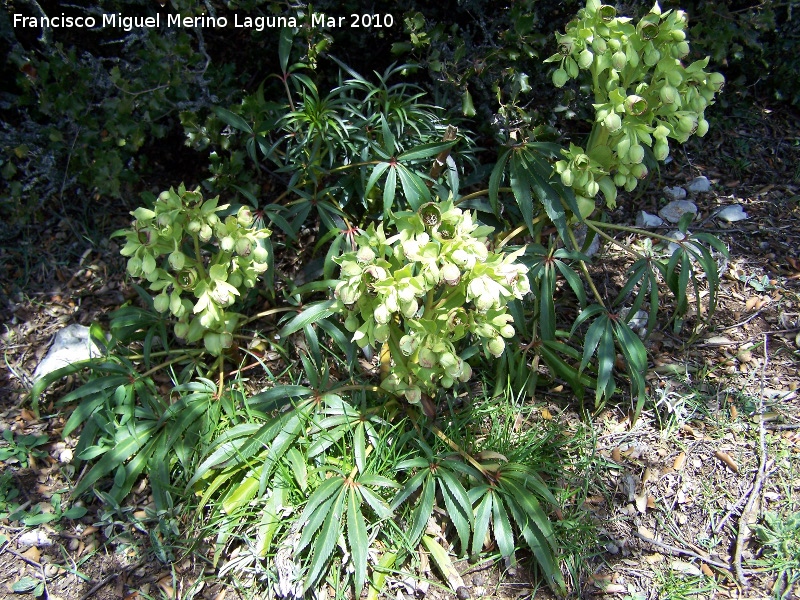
(677, 236)
(673, 211)
(646, 220)
(674, 193)
(71, 345)
(35, 537)
(732, 213)
(698, 185)
(65, 456)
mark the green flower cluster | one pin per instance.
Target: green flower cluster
(644, 94)
(424, 290)
(194, 285)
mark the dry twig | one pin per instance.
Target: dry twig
(758, 482)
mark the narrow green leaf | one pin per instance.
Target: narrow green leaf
(358, 542)
(415, 190)
(312, 313)
(389, 191)
(325, 542)
(459, 510)
(495, 179)
(232, 119)
(522, 190)
(285, 47)
(425, 150)
(360, 447)
(377, 171)
(483, 515)
(422, 512)
(502, 528)
(123, 450)
(409, 488)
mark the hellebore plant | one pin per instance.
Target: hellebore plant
(643, 96)
(209, 260)
(427, 291)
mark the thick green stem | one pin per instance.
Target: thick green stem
(164, 365)
(610, 239)
(198, 256)
(480, 193)
(629, 229)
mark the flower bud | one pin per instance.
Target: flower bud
(235, 279)
(613, 122)
(585, 59)
(636, 154)
(351, 322)
(260, 254)
(661, 132)
(161, 302)
(716, 81)
(346, 293)
(631, 183)
(245, 217)
(678, 35)
(451, 274)
(651, 57)
(620, 179)
(382, 314)
(592, 188)
(408, 344)
(661, 149)
(206, 233)
(507, 331)
(181, 330)
(409, 309)
(163, 196)
(639, 171)
(365, 255)
(226, 243)
(560, 77)
(669, 95)
(566, 177)
(413, 394)
(619, 60)
(134, 266)
(687, 124)
(599, 45)
(243, 247)
(496, 346)
(382, 333)
(194, 226)
(702, 127)
(176, 260)
(572, 67)
(426, 358)
(680, 50)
